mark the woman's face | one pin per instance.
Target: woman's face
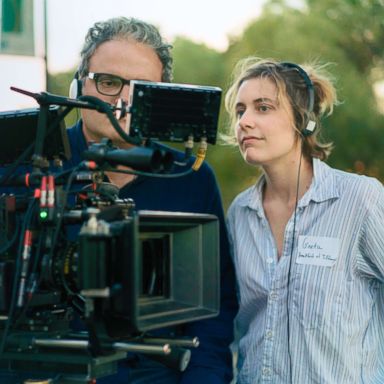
(264, 130)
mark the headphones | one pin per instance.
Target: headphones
(311, 125)
(75, 87)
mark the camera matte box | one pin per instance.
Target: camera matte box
(161, 269)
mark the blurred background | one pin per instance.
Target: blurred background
(40, 41)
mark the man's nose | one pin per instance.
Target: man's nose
(124, 94)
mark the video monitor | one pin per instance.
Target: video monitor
(172, 112)
(18, 131)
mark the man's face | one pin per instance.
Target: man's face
(129, 60)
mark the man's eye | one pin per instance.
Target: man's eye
(109, 83)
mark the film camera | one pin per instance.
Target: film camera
(70, 249)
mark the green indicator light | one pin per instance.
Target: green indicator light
(43, 215)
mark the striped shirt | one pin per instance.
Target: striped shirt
(327, 324)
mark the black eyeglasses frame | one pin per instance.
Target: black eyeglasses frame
(95, 76)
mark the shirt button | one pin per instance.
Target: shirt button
(273, 295)
(269, 334)
(266, 371)
(269, 260)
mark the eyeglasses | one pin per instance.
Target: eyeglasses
(107, 84)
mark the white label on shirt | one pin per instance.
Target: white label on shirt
(320, 251)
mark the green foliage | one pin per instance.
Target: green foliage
(59, 85)
(196, 63)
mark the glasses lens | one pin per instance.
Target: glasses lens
(109, 85)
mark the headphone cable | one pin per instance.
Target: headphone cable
(290, 264)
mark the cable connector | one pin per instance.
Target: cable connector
(200, 156)
(188, 145)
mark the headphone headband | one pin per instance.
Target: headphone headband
(309, 129)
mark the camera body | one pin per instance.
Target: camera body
(93, 257)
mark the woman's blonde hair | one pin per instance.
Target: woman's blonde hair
(292, 87)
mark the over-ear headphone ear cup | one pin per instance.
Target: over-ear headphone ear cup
(311, 125)
(75, 87)
(309, 129)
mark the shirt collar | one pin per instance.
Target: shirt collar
(323, 187)
(253, 197)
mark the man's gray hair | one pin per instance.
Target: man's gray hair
(122, 27)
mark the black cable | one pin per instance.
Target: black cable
(60, 213)
(290, 264)
(33, 270)
(149, 174)
(106, 108)
(15, 287)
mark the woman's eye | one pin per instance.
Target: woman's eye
(263, 108)
(239, 113)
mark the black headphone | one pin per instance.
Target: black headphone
(311, 125)
(75, 87)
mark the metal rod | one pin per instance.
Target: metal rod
(61, 343)
(164, 349)
(186, 343)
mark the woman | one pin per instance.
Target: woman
(307, 240)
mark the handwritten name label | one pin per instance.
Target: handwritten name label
(320, 251)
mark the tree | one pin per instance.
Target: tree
(59, 85)
(196, 63)
(329, 32)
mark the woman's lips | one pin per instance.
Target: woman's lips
(249, 139)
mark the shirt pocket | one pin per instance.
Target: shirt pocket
(320, 296)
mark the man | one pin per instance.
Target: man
(116, 51)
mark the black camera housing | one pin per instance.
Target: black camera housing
(147, 275)
(128, 272)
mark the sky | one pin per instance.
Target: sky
(211, 22)
(203, 21)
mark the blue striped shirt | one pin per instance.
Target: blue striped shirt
(327, 325)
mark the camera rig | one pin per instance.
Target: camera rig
(71, 250)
